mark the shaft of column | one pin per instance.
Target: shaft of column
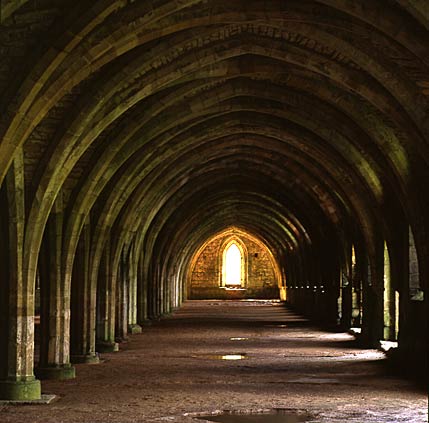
(17, 380)
(121, 327)
(54, 360)
(106, 299)
(133, 327)
(142, 293)
(84, 294)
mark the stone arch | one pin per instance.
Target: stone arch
(260, 275)
(135, 114)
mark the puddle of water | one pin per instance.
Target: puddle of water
(238, 339)
(234, 357)
(276, 416)
(229, 357)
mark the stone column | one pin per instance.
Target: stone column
(17, 381)
(168, 296)
(106, 300)
(84, 294)
(154, 298)
(133, 327)
(372, 316)
(183, 295)
(55, 307)
(142, 309)
(346, 305)
(150, 295)
(121, 324)
(159, 293)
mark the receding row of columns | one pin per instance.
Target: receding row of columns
(76, 323)
(375, 293)
(335, 281)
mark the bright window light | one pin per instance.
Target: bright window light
(233, 266)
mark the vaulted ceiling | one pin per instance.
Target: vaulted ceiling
(167, 121)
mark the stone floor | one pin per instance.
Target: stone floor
(174, 372)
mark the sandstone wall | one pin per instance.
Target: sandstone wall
(260, 280)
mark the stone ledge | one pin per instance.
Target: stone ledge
(45, 399)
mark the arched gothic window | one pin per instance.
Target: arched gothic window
(233, 265)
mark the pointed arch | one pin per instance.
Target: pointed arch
(233, 262)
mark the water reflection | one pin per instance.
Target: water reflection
(234, 356)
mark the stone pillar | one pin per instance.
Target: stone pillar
(121, 324)
(106, 300)
(17, 381)
(183, 294)
(372, 316)
(55, 307)
(357, 299)
(346, 304)
(150, 296)
(142, 292)
(156, 296)
(177, 291)
(168, 295)
(84, 295)
(133, 327)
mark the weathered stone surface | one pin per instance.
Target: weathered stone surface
(260, 279)
(133, 132)
(56, 373)
(20, 390)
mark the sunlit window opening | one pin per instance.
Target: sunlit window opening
(233, 265)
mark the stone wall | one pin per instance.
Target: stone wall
(206, 277)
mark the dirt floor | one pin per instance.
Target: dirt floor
(174, 371)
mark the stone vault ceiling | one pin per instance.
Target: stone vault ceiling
(169, 121)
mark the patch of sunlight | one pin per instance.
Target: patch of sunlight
(388, 345)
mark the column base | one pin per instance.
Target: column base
(106, 347)
(85, 358)
(134, 328)
(56, 373)
(365, 340)
(146, 322)
(20, 390)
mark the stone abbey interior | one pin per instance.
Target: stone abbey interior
(257, 166)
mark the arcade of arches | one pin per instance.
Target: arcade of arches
(134, 132)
